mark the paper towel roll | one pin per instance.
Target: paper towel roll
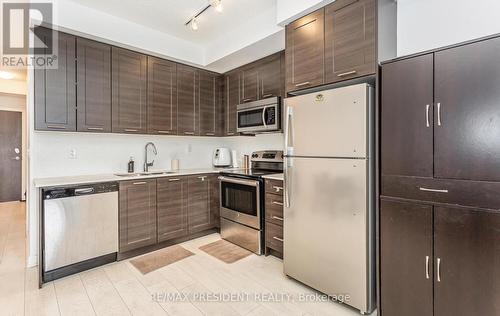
(234, 157)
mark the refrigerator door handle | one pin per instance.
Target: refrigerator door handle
(288, 131)
(287, 181)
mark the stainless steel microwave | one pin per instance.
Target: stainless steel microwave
(259, 116)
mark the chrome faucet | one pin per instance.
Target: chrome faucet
(146, 163)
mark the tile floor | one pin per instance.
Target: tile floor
(119, 289)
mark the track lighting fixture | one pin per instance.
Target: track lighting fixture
(216, 4)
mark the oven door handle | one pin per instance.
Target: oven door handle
(239, 181)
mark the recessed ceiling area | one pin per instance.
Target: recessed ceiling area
(169, 16)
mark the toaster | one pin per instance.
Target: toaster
(222, 157)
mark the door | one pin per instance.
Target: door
(249, 85)
(137, 214)
(467, 115)
(270, 83)
(55, 89)
(10, 156)
(325, 225)
(172, 208)
(187, 86)
(232, 101)
(162, 97)
(129, 70)
(208, 101)
(467, 250)
(407, 120)
(94, 86)
(328, 124)
(199, 217)
(305, 51)
(349, 39)
(406, 276)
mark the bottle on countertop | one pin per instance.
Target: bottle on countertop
(131, 166)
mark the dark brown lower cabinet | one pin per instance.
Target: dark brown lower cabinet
(405, 256)
(172, 208)
(215, 199)
(137, 220)
(199, 217)
(467, 250)
(274, 217)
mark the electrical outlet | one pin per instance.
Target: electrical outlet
(72, 154)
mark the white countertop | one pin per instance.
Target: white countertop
(274, 176)
(96, 178)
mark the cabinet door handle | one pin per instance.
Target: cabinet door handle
(229, 134)
(277, 188)
(302, 84)
(210, 134)
(130, 130)
(439, 269)
(278, 218)
(56, 127)
(439, 114)
(95, 128)
(247, 100)
(163, 132)
(202, 178)
(139, 183)
(427, 267)
(189, 133)
(433, 190)
(427, 107)
(267, 95)
(172, 180)
(278, 239)
(352, 72)
(278, 203)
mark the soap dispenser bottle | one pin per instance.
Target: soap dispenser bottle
(131, 165)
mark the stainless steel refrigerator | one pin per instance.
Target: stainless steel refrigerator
(329, 193)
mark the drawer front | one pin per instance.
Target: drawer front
(466, 193)
(274, 237)
(274, 208)
(274, 186)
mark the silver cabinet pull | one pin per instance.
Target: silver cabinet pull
(278, 218)
(163, 132)
(172, 180)
(56, 127)
(16, 158)
(247, 100)
(433, 190)
(95, 128)
(202, 178)
(278, 239)
(278, 203)
(427, 267)
(189, 133)
(427, 107)
(139, 183)
(439, 269)
(352, 72)
(130, 130)
(210, 134)
(439, 114)
(229, 134)
(267, 95)
(277, 188)
(302, 84)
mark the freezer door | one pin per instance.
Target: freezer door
(330, 123)
(325, 226)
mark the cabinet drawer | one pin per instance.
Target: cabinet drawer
(467, 193)
(274, 237)
(274, 186)
(274, 208)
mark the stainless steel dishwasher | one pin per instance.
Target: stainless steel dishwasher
(80, 228)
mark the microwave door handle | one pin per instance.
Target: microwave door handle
(264, 116)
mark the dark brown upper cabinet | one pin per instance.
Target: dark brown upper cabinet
(467, 112)
(55, 89)
(187, 100)
(232, 99)
(406, 259)
(305, 51)
(406, 117)
(137, 214)
(249, 85)
(271, 78)
(162, 97)
(129, 73)
(467, 256)
(199, 215)
(349, 39)
(172, 208)
(94, 86)
(208, 103)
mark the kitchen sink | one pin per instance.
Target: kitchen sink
(137, 174)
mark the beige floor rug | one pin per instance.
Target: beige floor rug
(225, 251)
(160, 258)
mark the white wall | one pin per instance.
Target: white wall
(428, 24)
(290, 10)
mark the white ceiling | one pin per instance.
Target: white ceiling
(169, 16)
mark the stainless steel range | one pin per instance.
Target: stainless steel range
(242, 200)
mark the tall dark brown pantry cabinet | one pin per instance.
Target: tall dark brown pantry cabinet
(440, 182)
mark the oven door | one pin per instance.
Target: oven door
(240, 201)
(258, 119)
